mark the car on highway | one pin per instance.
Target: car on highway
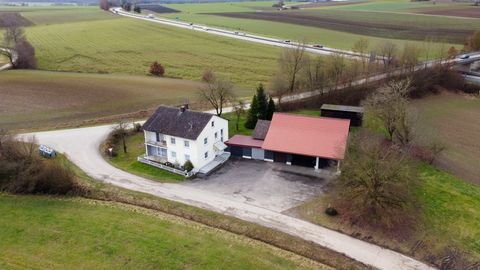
(150, 16)
(286, 41)
(464, 56)
(318, 46)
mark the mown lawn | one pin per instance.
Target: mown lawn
(55, 233)
(451, 214)
(129, 46)
(128, 161)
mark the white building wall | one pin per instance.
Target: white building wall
(197, 148)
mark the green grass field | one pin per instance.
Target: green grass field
(92, 41)
(451, 214)
(53, 233)
(61, 99)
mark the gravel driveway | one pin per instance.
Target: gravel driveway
(269, 185)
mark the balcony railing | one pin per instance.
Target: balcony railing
(151, 161)
(159, 143)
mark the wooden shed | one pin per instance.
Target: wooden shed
(354, 113)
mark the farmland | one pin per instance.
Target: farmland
(453, 120)
(89, 40)
(58, 99)
(54, 233)
(336, 26)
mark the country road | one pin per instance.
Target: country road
(8, 65)
(82, 146)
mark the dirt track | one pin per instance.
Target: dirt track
(355, 27)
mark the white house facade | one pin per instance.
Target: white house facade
(176, 135)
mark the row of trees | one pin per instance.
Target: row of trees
(15, 45)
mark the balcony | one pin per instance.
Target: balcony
(159, 143)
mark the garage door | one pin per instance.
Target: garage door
(258, 153)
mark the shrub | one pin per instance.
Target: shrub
(157, 69)
(23, 171)
(331, 211)
(188, 166)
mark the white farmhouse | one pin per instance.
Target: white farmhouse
(175, 135)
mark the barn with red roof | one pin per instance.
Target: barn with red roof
(295, 139)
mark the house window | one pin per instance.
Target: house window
(213, 123)
(221, 131)
(174, 154)
(172, 140)
(158, 136)
(216, 135)
(206, 154)
(205, 141)
(162, 152)
(186, 144)
(187, 157)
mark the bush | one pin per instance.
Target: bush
(331, 211)
(188, 166)
(157, 69)
(23, 171)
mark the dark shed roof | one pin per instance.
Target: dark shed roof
(172, 121)
(344, 108)
(261, 129)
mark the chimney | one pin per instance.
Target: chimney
(186, 106)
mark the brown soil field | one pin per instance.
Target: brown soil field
(397, 31)
(453, 120)
(470, 12)
(326, 4)
(8, 17)
(42, 100)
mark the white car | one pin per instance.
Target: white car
(150, 16)
(464, 56)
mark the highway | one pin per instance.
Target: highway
(239, 35)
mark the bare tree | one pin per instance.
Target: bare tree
(122, 130)
(314, 76)
(410, 57)
(239, 110)
(16, 48)
(25, 55)
(388, 50)
(335, 68)
(389, 105)
(279, 87)
(217, 93)
(361, 47)
(377, 183)
(291, 62)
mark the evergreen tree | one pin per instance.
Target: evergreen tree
(270, 109)
(262, 102)
(252, 116)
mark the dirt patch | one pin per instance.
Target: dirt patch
(327, 4)
(355, 27)
(469, 12)
(13, 18)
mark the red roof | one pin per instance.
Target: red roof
(242, 140)
(307, 135)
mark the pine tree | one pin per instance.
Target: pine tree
(252, 116)
(270, 109)
(262, 102)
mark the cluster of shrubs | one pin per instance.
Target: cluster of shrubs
(23, 171)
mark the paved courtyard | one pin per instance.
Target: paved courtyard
(274, 186)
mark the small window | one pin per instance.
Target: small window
(216, 135)
(221, 131)
(206, 154)
(205, 141)
(157, 136)
(213, 123)
(172, 140)
(186, 144)
(187, 157)
(221, 138)
(174, 154)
